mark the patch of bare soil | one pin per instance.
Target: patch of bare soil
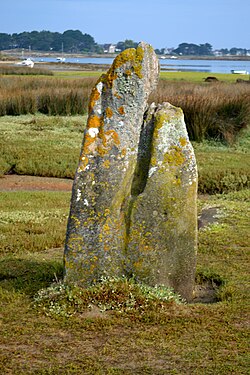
(34, 183)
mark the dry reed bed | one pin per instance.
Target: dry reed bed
(217, 111)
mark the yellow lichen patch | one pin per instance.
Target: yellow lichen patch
(106, 247)
(106, 164)
(109, 112)
(153, 161)
(139, 53)
(106, 212)
(121, 110)
(183, 141)
(106, 227)
(160, 119)
(109, 77)
(134, 56)
(127, 72)
(174, 156)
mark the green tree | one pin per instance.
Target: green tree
(128, 43)
(5, 41)
(205, 49)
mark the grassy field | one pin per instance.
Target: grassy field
(118, 327)
(49, 146)
(197, 77)
(60, 335)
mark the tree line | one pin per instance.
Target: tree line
(74, 41)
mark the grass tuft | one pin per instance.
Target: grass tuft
(116, 294)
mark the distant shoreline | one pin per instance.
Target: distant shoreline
(19, 55)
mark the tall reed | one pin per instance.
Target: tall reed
(24, 70)
(218, 111)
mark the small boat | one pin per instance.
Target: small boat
(26, 62)
(60, 59)
(239, 72)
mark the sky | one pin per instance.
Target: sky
(162, 23)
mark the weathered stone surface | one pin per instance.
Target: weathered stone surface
(162, 238)
(97, 225)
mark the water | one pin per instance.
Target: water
(209, 66)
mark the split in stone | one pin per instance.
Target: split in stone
(133, 206)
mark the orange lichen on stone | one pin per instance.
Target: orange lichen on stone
(117, 95)
(121, 110)
(109, 112)
(101, 150)
(123, 152)
(94, 121)
(114, 136)
(94, 96)
(88, 140)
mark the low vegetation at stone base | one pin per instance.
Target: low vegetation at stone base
(119, 336)
(116, 294)
(218, 110)
(49, 146)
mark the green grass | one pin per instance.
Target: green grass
(26, 221)
(41, 145)
(200, 76)
(37, 337)
(170, 76)
(50, 146)
(117, 327)
(77, 73)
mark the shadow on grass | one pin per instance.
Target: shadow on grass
(28, 276)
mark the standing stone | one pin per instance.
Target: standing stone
(98, 221)
(162, 239)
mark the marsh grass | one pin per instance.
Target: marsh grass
(212, 111)
(47, 95)
(41, 145)
(22, 70)
(26, 221)
(116, 328)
